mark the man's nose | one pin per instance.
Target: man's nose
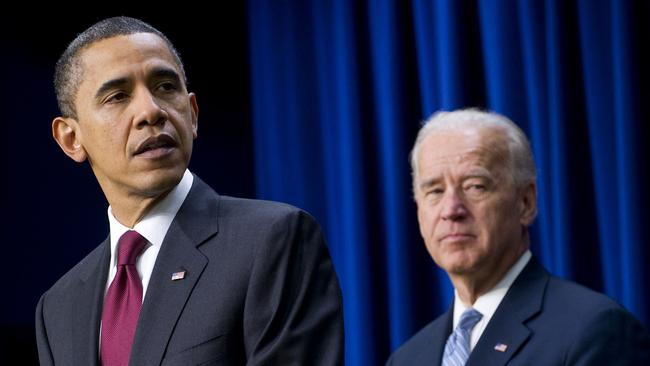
(148, 110)
(453, 207)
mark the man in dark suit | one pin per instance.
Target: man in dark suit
(186, 277)
(474, 185)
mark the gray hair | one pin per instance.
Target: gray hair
(69, 70)
(522, 165)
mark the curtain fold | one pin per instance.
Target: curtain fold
(340, 88)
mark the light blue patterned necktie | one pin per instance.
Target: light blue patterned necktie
(457, 348)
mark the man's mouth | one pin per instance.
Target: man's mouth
(455, 237)
(156, 146)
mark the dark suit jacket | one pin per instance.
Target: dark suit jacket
(544, 321)
(260, 289)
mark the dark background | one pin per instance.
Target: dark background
(53, 211)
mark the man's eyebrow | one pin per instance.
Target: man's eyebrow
(429, 182)
(478, 174)
(110, 84)
(165, 72)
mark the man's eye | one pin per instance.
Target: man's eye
(117, 97)
(434, 192)
(167, 86)
(475, 188)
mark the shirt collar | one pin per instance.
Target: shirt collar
(154, 225)
(488, 303)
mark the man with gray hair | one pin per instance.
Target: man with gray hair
(475, 189)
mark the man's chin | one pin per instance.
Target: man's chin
(459, 269)
(159, 182)
(459, 264)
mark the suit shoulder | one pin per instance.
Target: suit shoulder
(89, 262)
(260, 211)
(579, 309)
(575, 296)
(600, 329)
(234, 210)
(411, 351)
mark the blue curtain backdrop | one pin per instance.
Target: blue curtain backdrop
(340, 87)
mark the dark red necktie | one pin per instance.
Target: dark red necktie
(122, 303)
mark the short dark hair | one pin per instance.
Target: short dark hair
(69, 70)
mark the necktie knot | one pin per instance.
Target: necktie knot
(468, 319)
(129, 247)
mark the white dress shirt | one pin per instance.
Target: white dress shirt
(488, 303)
(153, 227)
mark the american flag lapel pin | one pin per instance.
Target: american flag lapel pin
(500, 347)
(178, 275)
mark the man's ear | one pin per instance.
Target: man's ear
(66, 133)
(528, 203)
(195, 114)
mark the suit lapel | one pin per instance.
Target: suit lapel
(507, 326)
(87, 306)
(165, 299)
